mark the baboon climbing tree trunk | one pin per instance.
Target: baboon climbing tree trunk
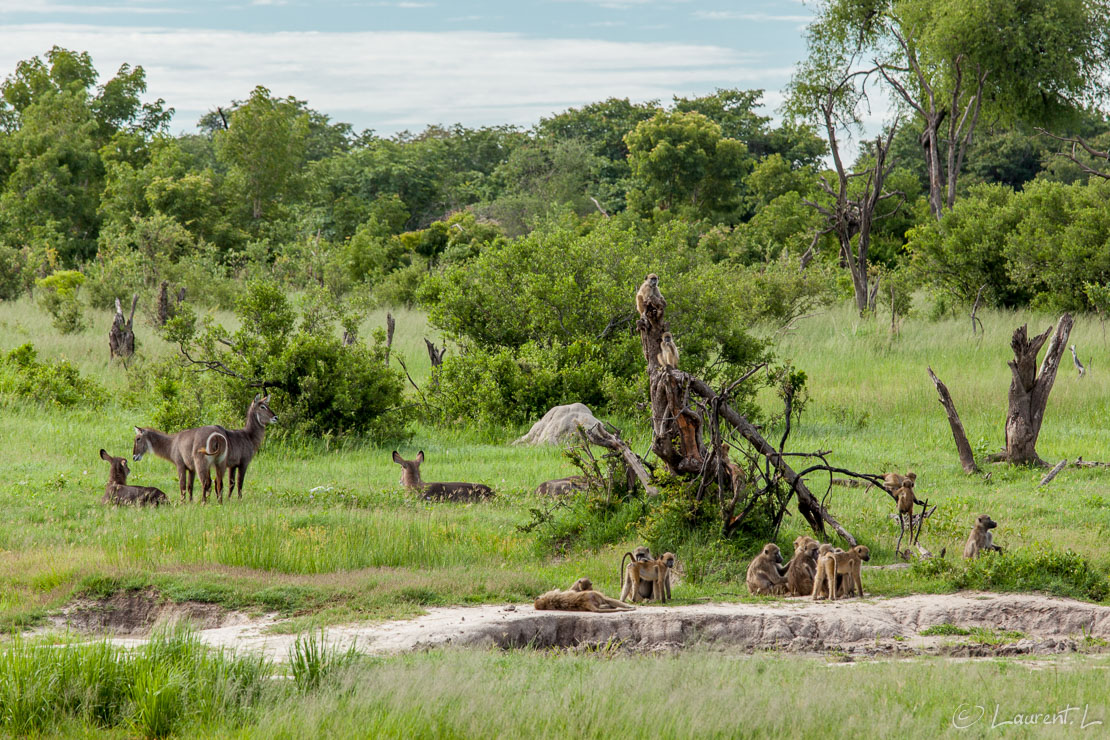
(1029, 390)
(676, 428)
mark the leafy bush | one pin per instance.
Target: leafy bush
(22, 375)
(549, 318)
(13, 265)
(1041, 568)
(59, 298)
(319, 386)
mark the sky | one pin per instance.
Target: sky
(391, 65)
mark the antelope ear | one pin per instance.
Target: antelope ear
(420, 456)
(256, 397)
(396, 457)
(104, 455)
(138, 431)
(266, 398)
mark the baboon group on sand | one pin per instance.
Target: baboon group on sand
(643, 578)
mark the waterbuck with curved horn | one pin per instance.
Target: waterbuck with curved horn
(193, 451)
(410, 478)
(243, 443)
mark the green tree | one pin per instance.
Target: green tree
(680, 162)
(264, 149)
(952, 62)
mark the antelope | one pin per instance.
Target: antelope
(193, 451)
(410, 478)
(118, 492)
(243, 443)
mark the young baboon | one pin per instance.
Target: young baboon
(906, 501)
(649, 295)
(639, 555)
(648, 580)
(764, 576)
(894, 481)
(580, 601)
(582, 584)
(802, 569)
(981, 537)
(799, 544)
(847, 564)
(820, 586)
(668, 352)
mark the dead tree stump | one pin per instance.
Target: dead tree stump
(676, 428)
(1029, 390)
(435, 355)
(167, 308)
(121, 337)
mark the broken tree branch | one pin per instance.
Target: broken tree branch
(967, 457)
(597, 435)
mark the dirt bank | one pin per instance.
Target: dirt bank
(853, 627)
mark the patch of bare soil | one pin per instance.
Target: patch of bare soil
(866, 627)
(139, 612)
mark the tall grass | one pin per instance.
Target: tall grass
(154, 690)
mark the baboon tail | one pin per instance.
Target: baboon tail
(216, 445)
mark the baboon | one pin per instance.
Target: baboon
(640, 554)
(981, 537)
(799, 543)
(906, 502)
(764, 576)
(648, 579)
(649, 295)
(668, 352)
(847, 564)
(118, 492)
(580, 601)
(802, 569)
(820, 586)
(582, 584)
(894, 481)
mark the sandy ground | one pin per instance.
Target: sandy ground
(853, 627)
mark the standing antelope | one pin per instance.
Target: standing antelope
(193, 451)
(118, 492)
(410, 478)
(243, 443)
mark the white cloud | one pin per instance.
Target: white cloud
(731, 15)
(389, 81)
(48, 7)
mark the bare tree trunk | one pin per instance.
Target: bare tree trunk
(598, 436)
(434, 354)
(390, 325)
(676, 428)
(808, 505)
(967, 458)
(121, 337)
(1029, 390)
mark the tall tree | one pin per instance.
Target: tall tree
(264, 148)
(954, 62)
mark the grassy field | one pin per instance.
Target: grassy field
(324, 534)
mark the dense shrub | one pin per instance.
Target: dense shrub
(319, 386)
(1040, 568)
(23, 375)
(58, 295)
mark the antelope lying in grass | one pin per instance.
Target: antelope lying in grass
(118, 492)
(410, 478)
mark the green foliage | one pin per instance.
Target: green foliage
(23, 375)
(319, 386)
(680, 162)
(1040, 568)
(59, 297)
(313, 662)
(13, 268)
(155, 690)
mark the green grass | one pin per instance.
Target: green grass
(324, 532)
(175, 686)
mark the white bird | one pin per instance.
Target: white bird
(1078, 364)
